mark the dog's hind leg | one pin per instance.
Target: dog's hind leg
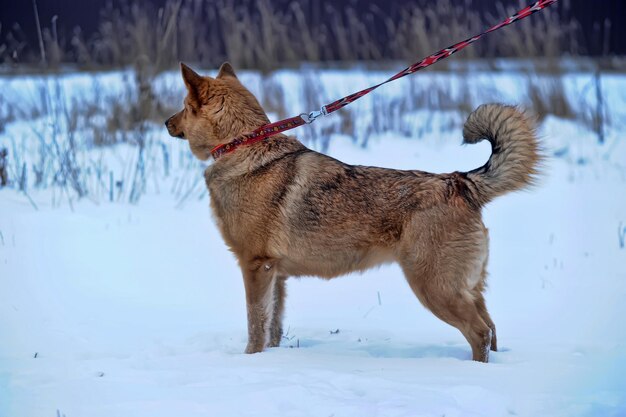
(477, 291)
(453, 304)
(259, 280)
(276, 324)
(481, 306)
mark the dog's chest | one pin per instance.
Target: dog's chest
(239, 213)
(224, 207)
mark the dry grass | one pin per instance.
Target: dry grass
(547, 96)
(265, 36)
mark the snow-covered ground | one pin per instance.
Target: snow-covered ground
(116, 309)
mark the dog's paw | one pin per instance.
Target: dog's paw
(273, 343)
(253, 348)
(276, 335)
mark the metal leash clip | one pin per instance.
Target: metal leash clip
(310, 117)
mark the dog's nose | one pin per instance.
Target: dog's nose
(166, 122)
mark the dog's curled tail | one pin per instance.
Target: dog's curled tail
(515, 154)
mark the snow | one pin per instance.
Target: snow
(116, 309)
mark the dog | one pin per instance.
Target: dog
(287, 211)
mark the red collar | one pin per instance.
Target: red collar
(258, 135)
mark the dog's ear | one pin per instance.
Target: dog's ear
(192, 79)
(193, 82)
(226, 70)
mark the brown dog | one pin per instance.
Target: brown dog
(285, 210)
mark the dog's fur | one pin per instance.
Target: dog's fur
(285, 210)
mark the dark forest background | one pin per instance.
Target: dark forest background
(268, 33)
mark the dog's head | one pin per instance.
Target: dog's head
(216, 110)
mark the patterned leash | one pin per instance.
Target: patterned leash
(271, 129)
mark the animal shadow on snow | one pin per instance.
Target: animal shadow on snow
(387, 349)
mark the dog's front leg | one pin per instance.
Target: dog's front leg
(276, 324)
(259, 278)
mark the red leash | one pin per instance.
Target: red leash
(271, 129)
